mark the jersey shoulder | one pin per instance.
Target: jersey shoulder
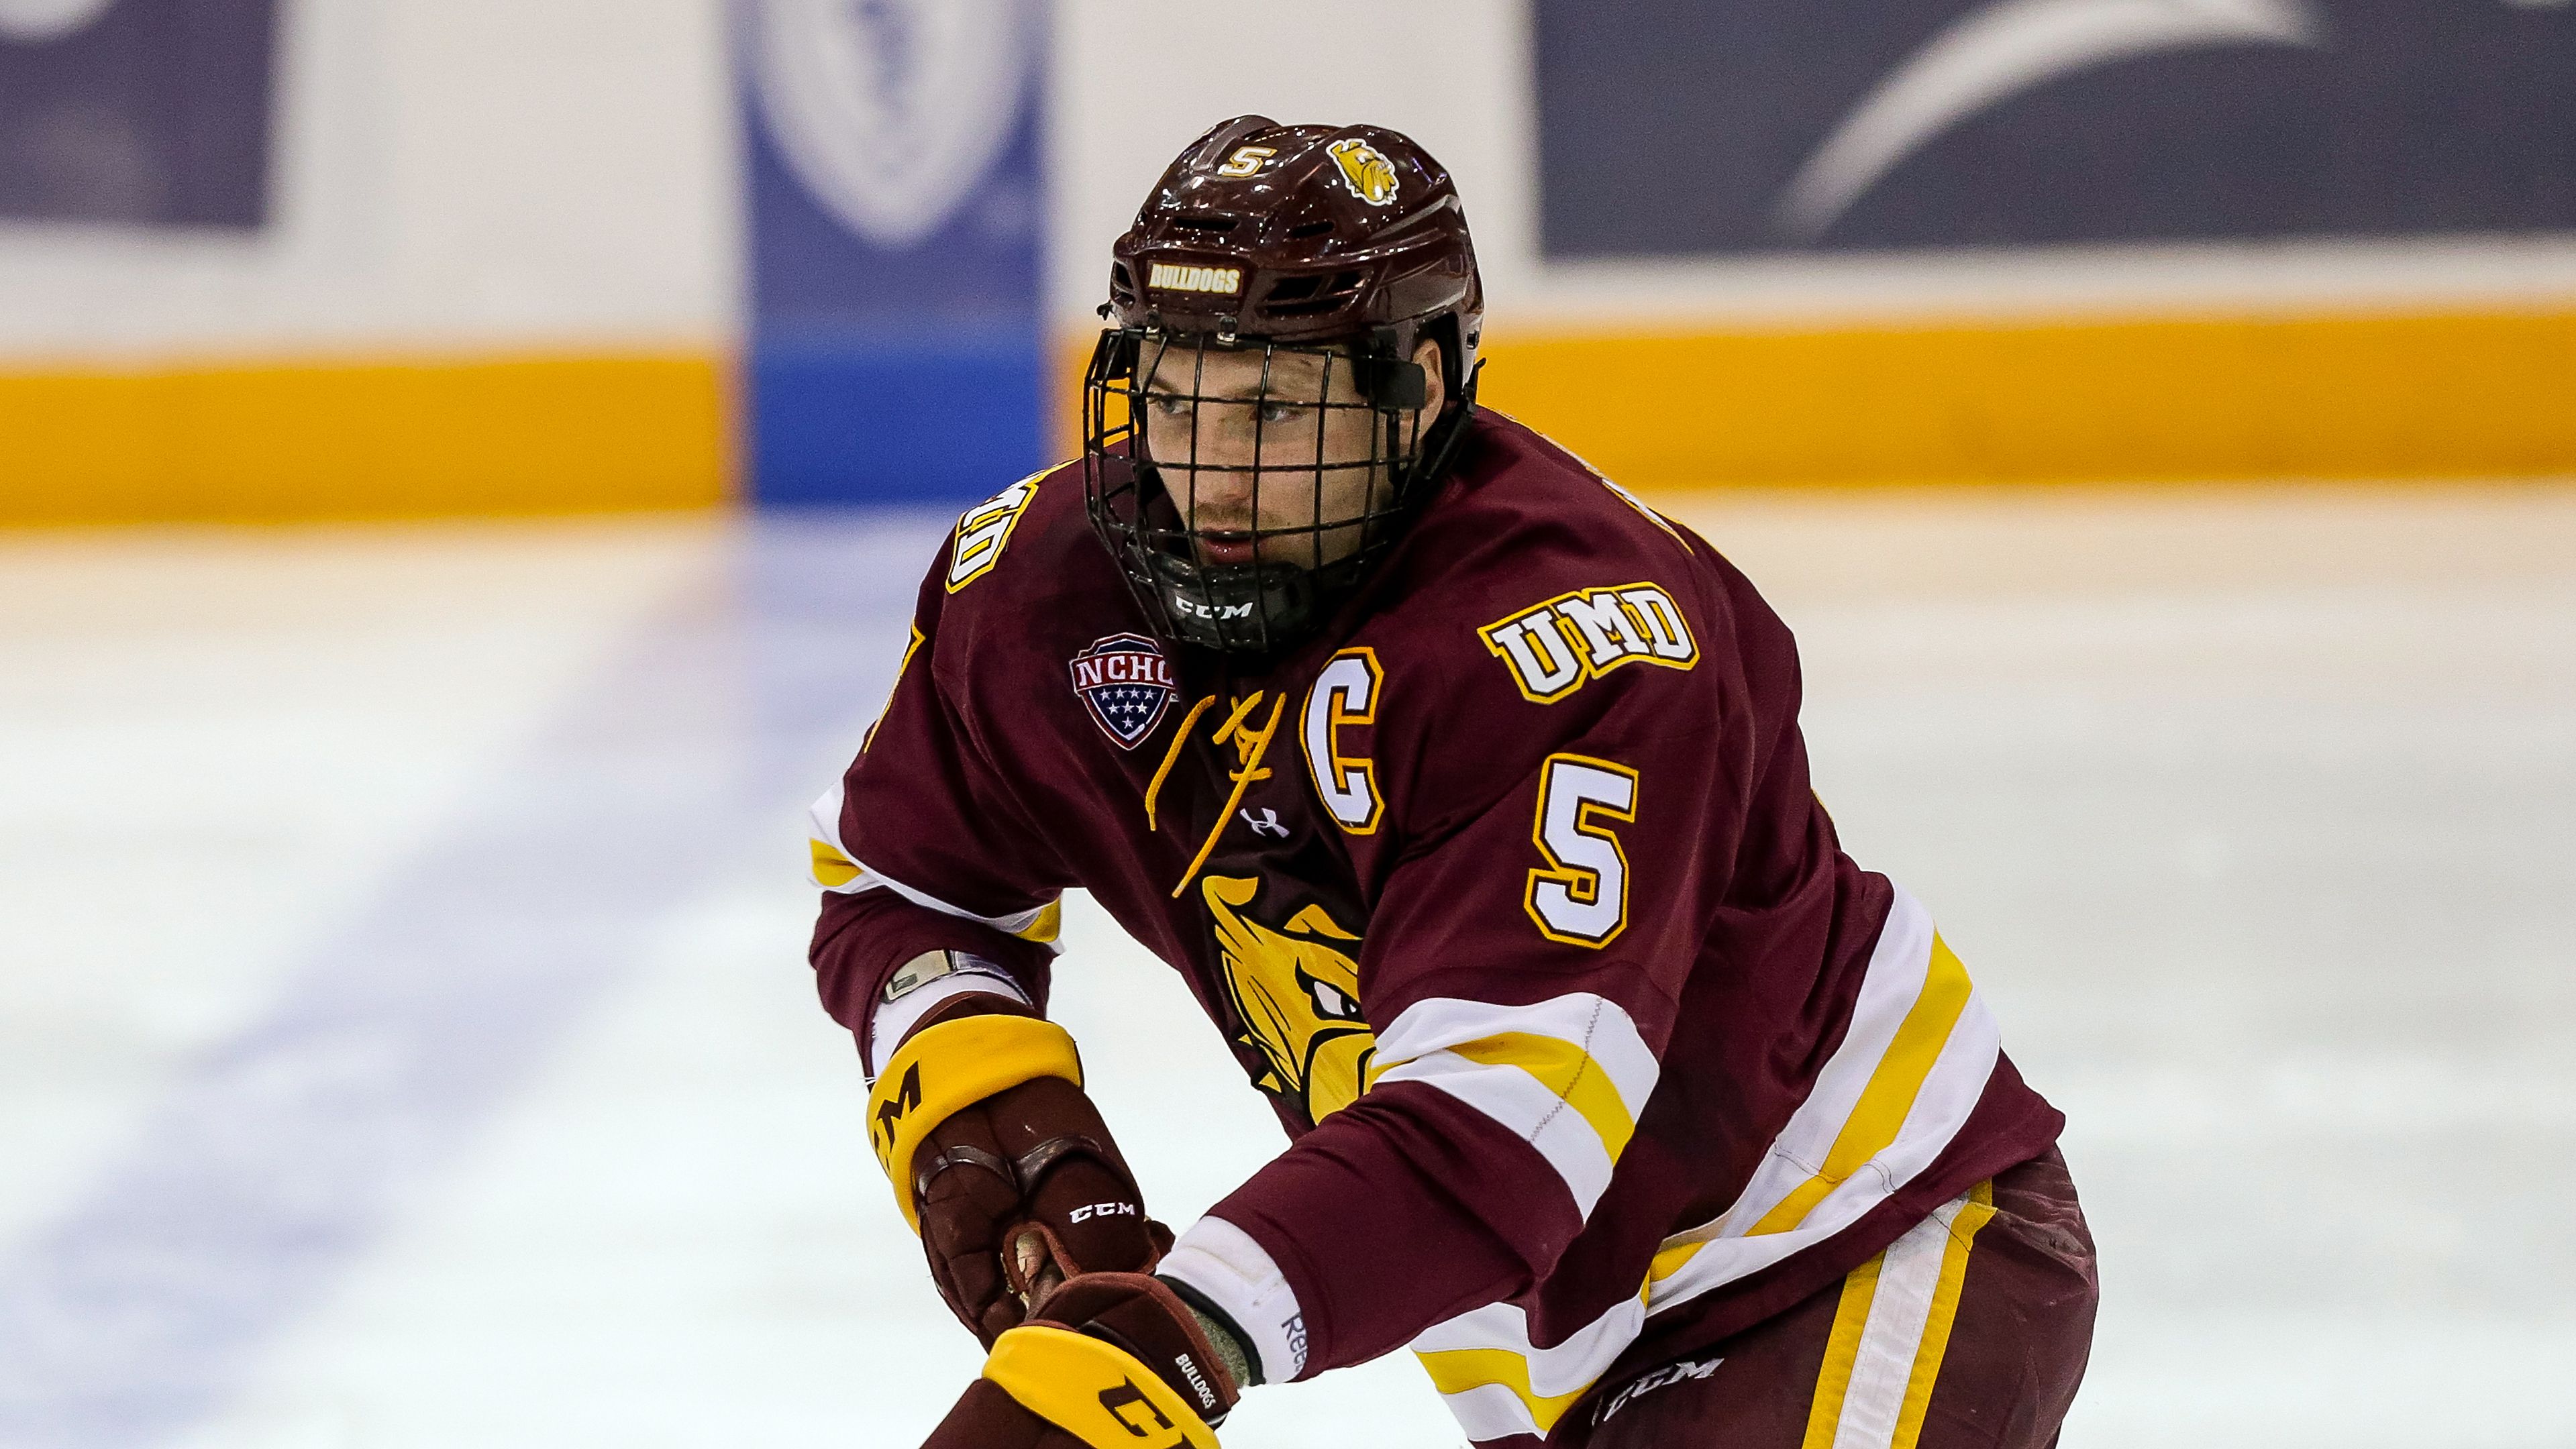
(1020, 586)
(1534, 574)
(1016, 541)
(1538, 612)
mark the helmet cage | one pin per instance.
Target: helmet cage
(1310, 554)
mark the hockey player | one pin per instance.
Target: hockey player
(1467, 794)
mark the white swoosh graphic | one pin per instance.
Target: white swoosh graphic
(31, 21)
(2002, 48)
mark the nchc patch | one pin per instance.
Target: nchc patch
(1126, 683)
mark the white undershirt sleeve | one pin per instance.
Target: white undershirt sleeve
(1236, 1274)
(895, 1019)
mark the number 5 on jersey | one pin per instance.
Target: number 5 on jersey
(1580, 896)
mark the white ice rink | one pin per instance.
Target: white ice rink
(405, 1038)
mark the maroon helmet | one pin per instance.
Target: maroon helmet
(1342, 248)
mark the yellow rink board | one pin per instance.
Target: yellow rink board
(2153, 399)
(2402, 396)
(360, 438)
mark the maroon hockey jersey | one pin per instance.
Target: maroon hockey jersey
(1508, 889)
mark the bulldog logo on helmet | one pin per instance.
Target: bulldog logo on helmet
(1365, 170)
(1126, 683)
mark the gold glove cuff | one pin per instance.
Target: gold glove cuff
(1101, 1395)
(951, 1066)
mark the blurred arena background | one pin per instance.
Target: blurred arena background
(2157, 418)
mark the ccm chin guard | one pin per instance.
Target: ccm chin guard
(1100, 1394)
(943, 1069)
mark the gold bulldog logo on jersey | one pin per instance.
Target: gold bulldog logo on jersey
(1365, 170)
(1297, 991)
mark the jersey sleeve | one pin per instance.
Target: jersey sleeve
(1524, 962)
(922, 845)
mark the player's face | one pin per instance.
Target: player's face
(1259, 467)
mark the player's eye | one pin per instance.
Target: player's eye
(1169, 404)
(1280, 412)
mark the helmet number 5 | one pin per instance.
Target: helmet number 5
(1580, 896)
(1246, 160)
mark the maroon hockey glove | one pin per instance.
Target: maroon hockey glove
(1021, 1191)
(1109, 1359)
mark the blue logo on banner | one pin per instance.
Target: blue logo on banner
(1674, 127)
(897, 345)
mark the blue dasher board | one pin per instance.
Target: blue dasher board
(1674, 127)
(136, 112)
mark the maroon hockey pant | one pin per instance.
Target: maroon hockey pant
(1971, 1330)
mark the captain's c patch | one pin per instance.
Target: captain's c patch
(1555, 647)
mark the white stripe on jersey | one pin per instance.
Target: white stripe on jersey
(837, 870)
(1568, 1075)
(1911, 1068)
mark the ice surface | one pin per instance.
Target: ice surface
(404, 1039)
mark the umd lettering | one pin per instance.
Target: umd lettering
(1553, 648)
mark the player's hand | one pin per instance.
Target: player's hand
(1020, 1192)
(1109, 1359)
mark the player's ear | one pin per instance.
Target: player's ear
(1435, 391)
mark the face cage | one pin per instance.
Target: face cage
(1274, 601)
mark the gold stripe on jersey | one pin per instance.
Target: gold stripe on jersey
(832, 869)
(1892, 1330)
(1568, 1075)
(1497, 1384)
(1972, 1216)
(1912, 1065)
(1566, 1070)
(1892, 1089)
(838, 871)
(1466, 1370)
(1842, 1350)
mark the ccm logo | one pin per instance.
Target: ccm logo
(1197, 610)
(1101, 1210)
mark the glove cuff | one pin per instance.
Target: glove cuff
(949, 1066)
(1104, 1396)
